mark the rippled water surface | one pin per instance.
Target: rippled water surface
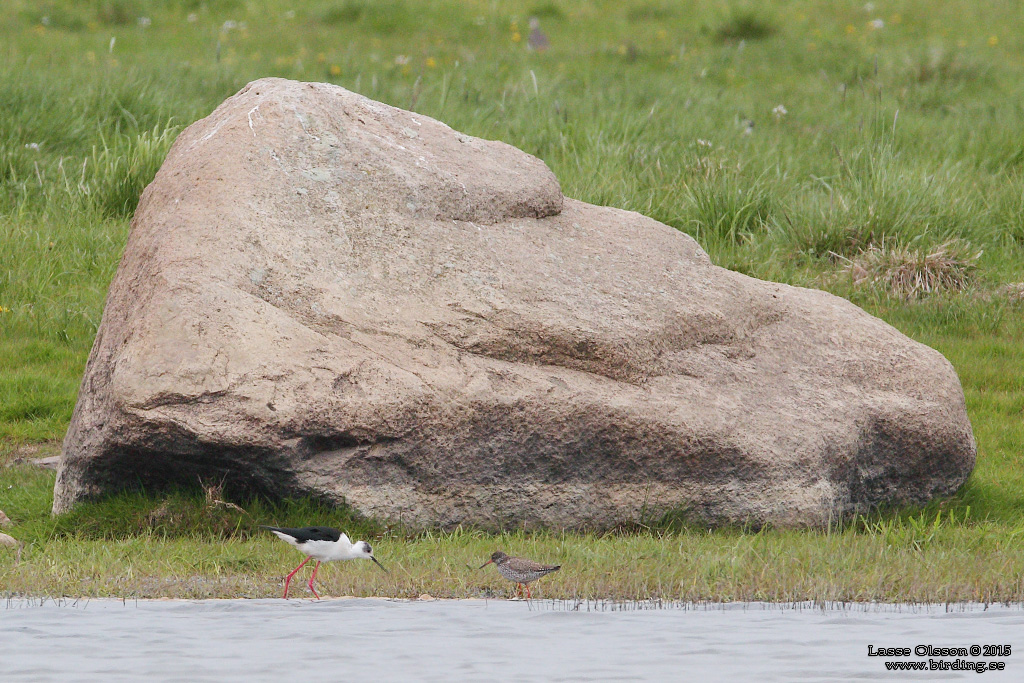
(382, 640)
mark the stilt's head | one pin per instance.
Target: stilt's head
(363, 551)
(497, 557)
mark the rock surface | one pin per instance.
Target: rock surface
(324, 294)
(12, 542)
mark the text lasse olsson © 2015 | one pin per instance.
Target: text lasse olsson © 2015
(956, 663)
(931, 651)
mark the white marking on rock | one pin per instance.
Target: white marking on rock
(259, 116)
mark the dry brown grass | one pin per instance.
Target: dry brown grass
(908, 273)
(1013, 291)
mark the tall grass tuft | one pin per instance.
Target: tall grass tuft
(379, 16)
(878, 196)
(745, 24)
(116, 173)
(728, 210)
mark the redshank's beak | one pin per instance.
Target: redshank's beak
(379, 564)
(486, 563)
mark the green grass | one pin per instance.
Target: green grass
(904, 137)
(182, 545)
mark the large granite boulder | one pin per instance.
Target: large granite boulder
(323, 294)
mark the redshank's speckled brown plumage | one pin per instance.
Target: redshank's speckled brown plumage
(520, 569)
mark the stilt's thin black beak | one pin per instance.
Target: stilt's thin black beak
(486, 563)
(379, 564)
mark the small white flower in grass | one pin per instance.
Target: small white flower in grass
(144, 22)
(701, 142)
(192, 17)
(876, 24)
(401, 60)
(290, 14)
(780, 111)
(869, 7)
(229, 25)
(45, 21)
(34, 146)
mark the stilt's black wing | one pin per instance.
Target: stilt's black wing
(309, 533)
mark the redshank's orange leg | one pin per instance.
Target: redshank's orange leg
(313, 578)
(528, 593)
(289, 579)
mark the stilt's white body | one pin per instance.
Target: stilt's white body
(326, 551)
(322, 544)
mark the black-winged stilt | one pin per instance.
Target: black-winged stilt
(323, 544)
(520, 569)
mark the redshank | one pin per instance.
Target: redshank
(323, 544)
(520, 569)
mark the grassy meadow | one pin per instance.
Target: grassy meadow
(874, 150)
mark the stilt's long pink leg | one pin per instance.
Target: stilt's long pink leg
(313, 578)
(289, 579)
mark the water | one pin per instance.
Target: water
(382, 640)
